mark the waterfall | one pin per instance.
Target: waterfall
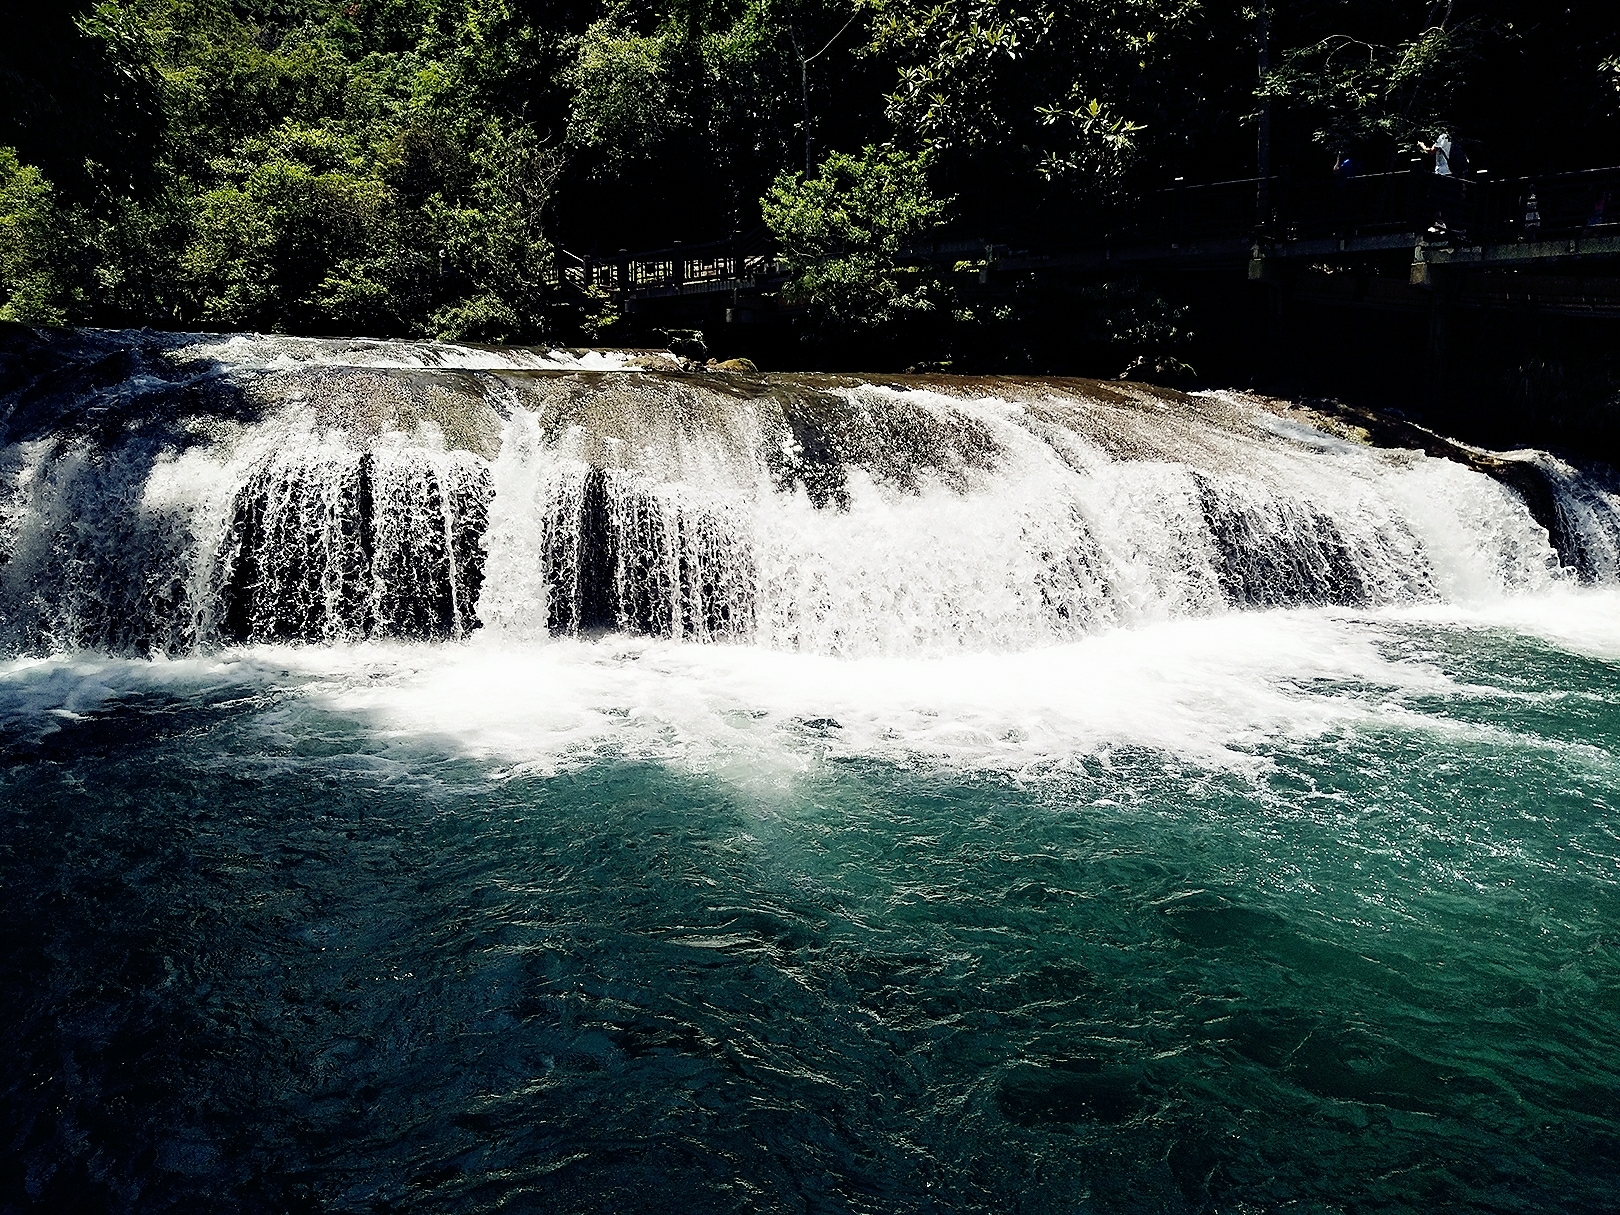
(166, 493)
(329, 542)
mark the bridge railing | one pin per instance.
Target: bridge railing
(1405, 202)
(1290, 207)
(744, 257)
(1565, 203)
(1190, 212)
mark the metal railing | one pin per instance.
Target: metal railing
(743, 258)
(1410, 201)
(1550, 206)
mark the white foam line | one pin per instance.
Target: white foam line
(280, 352)
(1210, 693)
(1582, 620)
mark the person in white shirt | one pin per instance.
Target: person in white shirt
(1441, 151)
(1449, 196)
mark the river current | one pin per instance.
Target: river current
(1178, 807)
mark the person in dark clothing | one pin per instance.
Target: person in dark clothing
(1599, 215)
(1344, 169)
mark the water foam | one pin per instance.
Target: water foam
(280, 352)
(1213, 694)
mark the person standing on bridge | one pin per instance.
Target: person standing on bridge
(1441, 151)
(1447, 192)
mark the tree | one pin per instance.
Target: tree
(845, 233)
(1358, 93)
(1529, 87)
(1034, 97)
(33, 284)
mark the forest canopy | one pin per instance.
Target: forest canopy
(414, 167)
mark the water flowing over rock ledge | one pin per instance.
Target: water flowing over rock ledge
(164, 493)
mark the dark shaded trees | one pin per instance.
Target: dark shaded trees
(412, 166)
(1530, 87)
(81, 98)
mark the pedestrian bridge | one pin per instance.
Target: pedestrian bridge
(1550, 242)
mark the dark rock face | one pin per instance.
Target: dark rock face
(619, 558)
(898, 444)
(74, 384)
(1551, 496)
(355, 548)
(1277, 553)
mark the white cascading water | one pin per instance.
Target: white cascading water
(416, 491)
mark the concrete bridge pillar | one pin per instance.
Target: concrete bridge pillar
(1446, 286)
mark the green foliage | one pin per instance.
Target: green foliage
(80, 95)
(693, 108)
(329, 167)
(31, 279)
(1115, 329)
(1523, 84)
(410, 166)
(747, 88)
(1145, 335)
(1362, 93)
(287, 248)
(844, 234)
(1043, 88)
(1098, 147)
(621, 93)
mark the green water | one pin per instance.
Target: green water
(266, 952)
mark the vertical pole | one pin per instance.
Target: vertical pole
(804, 83)
(804, 87)
(1419, 214)
(1262, 201)
(1280, 346)
(1276, 287)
